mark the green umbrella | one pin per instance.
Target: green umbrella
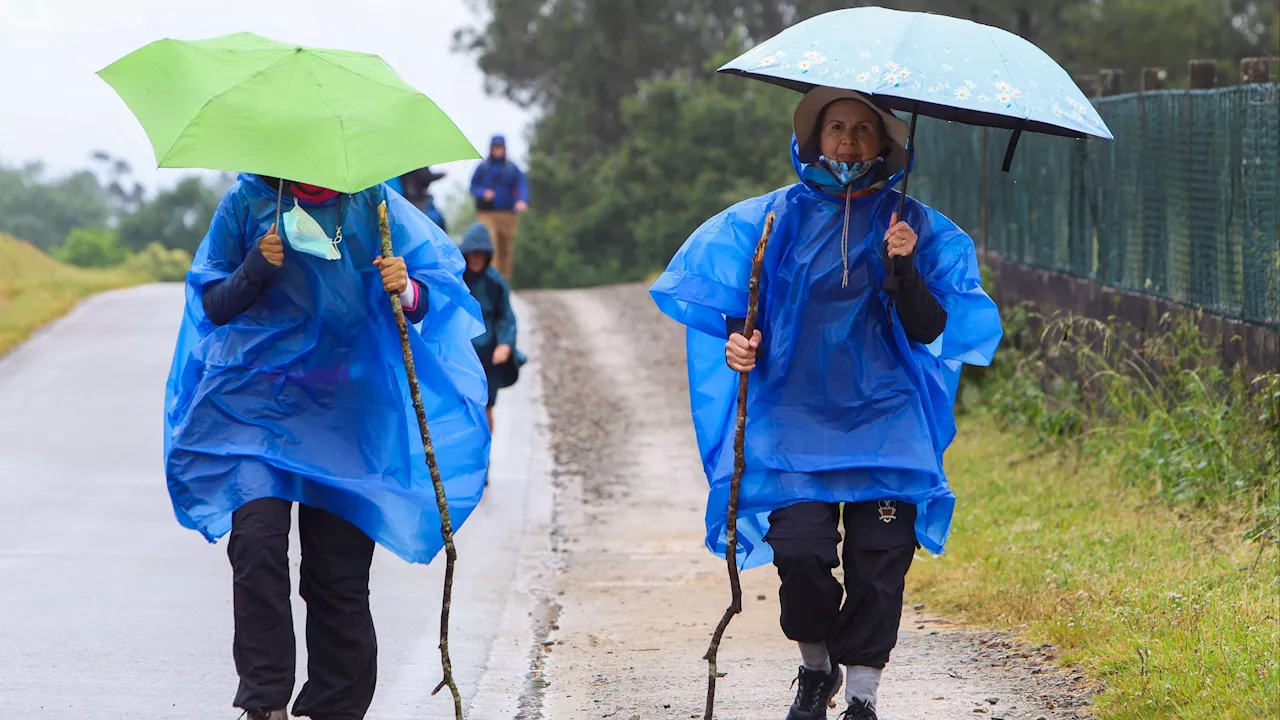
(243, 103)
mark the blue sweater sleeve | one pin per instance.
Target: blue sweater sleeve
(225, 300)
(477, 180)
(505, 331)
(522, 185)
(419, 312)
(923, 317)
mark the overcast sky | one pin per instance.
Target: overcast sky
(54, 108)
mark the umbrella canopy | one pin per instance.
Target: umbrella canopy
(934, 65)
(342, 120)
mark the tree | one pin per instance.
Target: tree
(125, 195)
(176, 218)
(160, 263)
(91, 248)
(43, 212)
(695, 147)
(585, 57)
(1132, 34)
(459, 210)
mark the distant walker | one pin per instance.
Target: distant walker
(501, 194)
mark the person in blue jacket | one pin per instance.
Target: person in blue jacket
(501, 194)
(497, 346)
(287, 387)
(851, 390)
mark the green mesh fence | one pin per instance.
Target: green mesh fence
(1184, 206)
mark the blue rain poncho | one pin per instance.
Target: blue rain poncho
(304, 396)
(841, 406)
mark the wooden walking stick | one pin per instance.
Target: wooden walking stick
(739, 466)
(446, 526)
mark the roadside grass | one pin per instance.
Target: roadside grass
(35, 289)
(1171, 610)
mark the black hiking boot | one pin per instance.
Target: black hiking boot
(265, 715)
(815, 691)
(859, 710)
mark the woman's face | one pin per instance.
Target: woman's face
(477, 261)
(850, 132)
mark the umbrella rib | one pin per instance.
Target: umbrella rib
(342, 126)
(403, 87)
(1025, 115)
(210, 101)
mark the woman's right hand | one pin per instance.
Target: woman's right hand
(740, 353)
(271, 247)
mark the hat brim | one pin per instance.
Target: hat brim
(805, 123)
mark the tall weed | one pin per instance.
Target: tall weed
(1158, 407)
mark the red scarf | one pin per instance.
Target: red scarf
(313, 193)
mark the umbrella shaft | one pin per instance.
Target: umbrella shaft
(911, 154)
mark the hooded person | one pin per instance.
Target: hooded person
(851, 393)
(416, 186)
(501, 194)
(287, 386)
(496, 348)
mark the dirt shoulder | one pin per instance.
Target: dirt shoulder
(637, 593)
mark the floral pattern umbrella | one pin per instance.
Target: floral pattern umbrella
(931, 65)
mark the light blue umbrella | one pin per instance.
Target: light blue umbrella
(932, 65)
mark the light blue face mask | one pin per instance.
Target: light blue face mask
(837, 177)
(306, 236)
(840, 178)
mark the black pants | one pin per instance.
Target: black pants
(877, 555)
(342, 649)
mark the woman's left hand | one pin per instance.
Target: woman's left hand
(501, 354)
(395, 275)
(900, 239)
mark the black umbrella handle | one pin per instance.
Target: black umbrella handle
(279, 197)
(897, 267)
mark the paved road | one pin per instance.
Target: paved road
(108, 609)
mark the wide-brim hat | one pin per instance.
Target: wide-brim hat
(816, 100)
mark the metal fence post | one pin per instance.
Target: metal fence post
(1206, 237)
(1153, 182)
(1260, 246)
(1110, 228)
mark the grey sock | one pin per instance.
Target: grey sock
(815, 656)
(861, 683)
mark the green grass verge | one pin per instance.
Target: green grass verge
(1174, 613)
(35, 289)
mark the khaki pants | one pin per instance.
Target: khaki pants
(502, 226)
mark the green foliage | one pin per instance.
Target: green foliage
(124, 194)
(91, 248)
(1132, 34)
(585, 58)
(1157, 408)
(177, 218)
(459, 211)
(1170, 613)
(44, 212)
(48, 212)
(694, 149)
(97, 248)
(160, 263)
